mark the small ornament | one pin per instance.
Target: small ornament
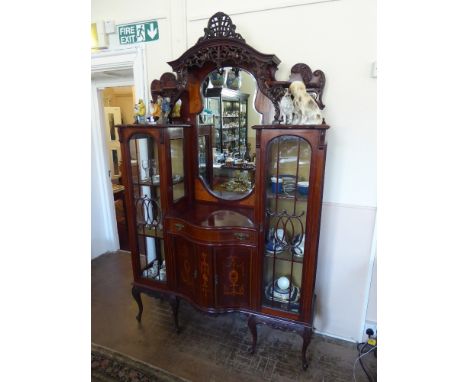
(156, 109)
(287, 108)
(283, 282)
(165, 107)
(217, 78)
(233, 80)
(140, 112)
(306, 110)
(176, 109)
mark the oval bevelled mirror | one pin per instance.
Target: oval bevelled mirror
(226, 140)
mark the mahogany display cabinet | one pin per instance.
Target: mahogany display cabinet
(245, 241)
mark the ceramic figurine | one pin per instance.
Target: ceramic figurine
(176, 110)
(140, 111)
(233, 80)
(287, 108)
(165, 107)
(156, 112)
(217, 78)
(306, 110)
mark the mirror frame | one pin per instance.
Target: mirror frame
(221, 46)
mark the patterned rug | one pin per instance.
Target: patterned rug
(110, 366)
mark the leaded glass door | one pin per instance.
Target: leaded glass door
(288, 164)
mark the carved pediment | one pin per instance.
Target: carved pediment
(221, 47)
(220, 26)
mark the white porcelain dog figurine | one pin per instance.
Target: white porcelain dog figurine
(287, 108)
(306, 110)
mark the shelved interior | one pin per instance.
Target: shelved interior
(146, 197)
(287, 186)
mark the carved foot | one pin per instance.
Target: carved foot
(174, 301)
(306, 337)
(137, 296)
(253, 330)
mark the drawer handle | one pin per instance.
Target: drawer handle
(241, 236)
(179, 227)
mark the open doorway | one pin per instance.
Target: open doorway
(117, 69)
(117, 108)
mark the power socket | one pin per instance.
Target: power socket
(370, 325)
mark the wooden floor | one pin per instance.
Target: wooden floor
(208, 348)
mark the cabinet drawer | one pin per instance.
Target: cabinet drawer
(212, 235)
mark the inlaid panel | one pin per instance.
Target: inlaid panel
(205, 276)
(233, 276)
(186, 269)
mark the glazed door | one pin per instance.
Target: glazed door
(144, 206)
(286, 243)
(233, 276)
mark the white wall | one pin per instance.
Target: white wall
(371, 314)
(337, 37)
(158, 52)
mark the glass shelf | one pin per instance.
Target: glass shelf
(291, 196)
(280, 305)
(150, 232)
(285, 256)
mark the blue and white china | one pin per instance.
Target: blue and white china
(233, 80)
(283, 283)
(298, 245)
(217, 78)
(303, 188)
(276, 185)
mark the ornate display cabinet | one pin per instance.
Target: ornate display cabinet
(251, 246)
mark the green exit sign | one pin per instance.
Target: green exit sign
(135, 33)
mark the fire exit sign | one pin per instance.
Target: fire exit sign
(135, 33)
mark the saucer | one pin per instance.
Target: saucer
(282, 297)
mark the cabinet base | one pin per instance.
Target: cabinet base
(253, 319)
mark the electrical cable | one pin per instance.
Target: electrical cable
(361, 348)
(359, 359)
(362, 364)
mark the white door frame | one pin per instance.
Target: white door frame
(133, 58)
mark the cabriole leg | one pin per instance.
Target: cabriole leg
(174, 301)
(137, 296)
(306, 337)
(253, 330)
